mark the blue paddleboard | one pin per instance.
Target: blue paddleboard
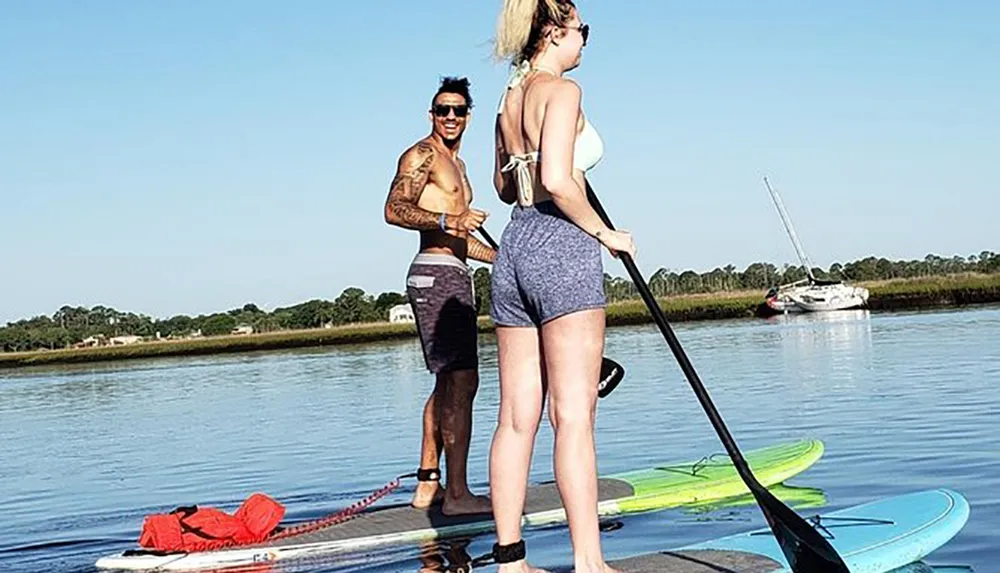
(875, 537)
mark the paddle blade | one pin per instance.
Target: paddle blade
(611, 374)
(805, 548)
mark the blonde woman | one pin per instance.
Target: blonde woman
(548, 279)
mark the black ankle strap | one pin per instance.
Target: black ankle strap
(431, 474)
(508, 553)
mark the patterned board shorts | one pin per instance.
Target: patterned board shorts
(441, 294)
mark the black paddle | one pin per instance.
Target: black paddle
(611, 372)
(806, 550)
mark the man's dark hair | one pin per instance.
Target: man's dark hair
(452, 85)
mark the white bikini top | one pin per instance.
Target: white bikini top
(588, 148)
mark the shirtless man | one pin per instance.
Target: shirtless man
(431, 194)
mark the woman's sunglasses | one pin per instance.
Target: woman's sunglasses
(442, 110)
(584, 30)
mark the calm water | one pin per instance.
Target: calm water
(903, 401)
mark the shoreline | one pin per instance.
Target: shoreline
(891, 295)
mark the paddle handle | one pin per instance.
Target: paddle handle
(679, 354)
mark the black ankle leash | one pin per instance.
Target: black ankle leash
(423, 474)
(431, 474)
(501, 554)
(508, 553)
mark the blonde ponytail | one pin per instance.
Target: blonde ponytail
(520, 25)
(513, 28)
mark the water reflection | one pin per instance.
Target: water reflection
(846, 332)
(451, 556)
(825, 348)
(795, 497)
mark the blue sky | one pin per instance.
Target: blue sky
(189, 157)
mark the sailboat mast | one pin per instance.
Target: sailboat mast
(791, 231)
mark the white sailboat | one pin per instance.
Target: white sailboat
(810, 294)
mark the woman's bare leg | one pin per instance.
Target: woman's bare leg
(574, 344)
(521, 397)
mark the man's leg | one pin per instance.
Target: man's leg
(456, 430)
(423, 298)
(428, 492)
(446, 319)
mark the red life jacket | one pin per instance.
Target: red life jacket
(193, 528)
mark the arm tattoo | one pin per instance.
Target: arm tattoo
(480, 252)
(412, 175)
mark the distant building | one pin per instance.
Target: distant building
(123, 340)
(243, 329)
(401, 313)
(97, 340)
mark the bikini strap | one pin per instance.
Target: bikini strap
(519, 165)
(517, 74)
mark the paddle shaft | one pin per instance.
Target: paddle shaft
(679, 354)
(493, 244)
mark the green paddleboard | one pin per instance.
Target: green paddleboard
(713, 477)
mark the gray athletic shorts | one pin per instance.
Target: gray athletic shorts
(546, 267)
(440, 290)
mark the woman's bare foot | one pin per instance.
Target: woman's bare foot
(466, 504)
(601, 568)
(521, 566)
(428, 493)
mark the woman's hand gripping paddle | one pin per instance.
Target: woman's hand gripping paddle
(806, 550)
(612, 373)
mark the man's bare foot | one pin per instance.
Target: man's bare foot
(521, 566)
(428, 493)
(467, 504)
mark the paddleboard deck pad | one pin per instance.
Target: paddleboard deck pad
(659, 487)
(876, 537)
(703, 561)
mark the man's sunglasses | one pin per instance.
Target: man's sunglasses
(442, 110)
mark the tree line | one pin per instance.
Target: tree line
(70, 325)
(762, 276)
